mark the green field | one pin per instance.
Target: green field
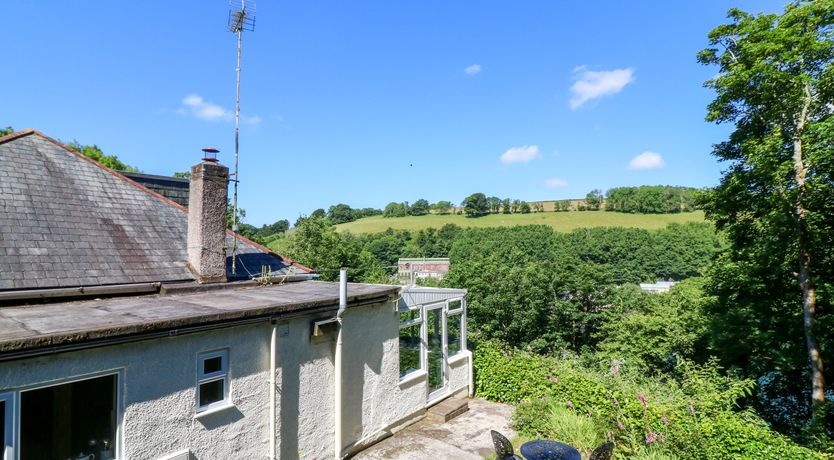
(560, 221)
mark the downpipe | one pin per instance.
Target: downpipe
(337, 391)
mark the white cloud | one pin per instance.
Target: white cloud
(591, 85)
(523, 154)
(555, 182)
(646, 160)
(473, 69)
(209, 111)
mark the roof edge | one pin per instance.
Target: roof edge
(15, 135)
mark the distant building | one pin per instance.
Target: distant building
(173, 188)
(409, 270)
(658, 286)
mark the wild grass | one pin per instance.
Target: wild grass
(560, 221)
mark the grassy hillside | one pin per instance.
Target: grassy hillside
(561, 221)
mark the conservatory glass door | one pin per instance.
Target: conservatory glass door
(435, 347)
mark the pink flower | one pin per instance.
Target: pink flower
(553, 379)
(614, 400)
(610, 435)
(642, 399)
(691, 410)
(615, 369)
(664, 420)
(620, 426)
(569, 405)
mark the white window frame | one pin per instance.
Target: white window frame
(203, 378)
(119, 403)
(417, 322)
(9, 423)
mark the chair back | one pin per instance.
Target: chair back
(503, 447)
(603, 451)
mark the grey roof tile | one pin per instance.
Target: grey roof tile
(66, 222)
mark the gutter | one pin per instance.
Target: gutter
(139, 288)
(273, 345)
(138, 337)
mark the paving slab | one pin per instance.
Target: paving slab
(464, 437)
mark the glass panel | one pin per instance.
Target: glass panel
(212, 365)
(434, 326)
(455, 305)
(410, 315)
(211, 392)
(409, 349)
(74, 420)
(454, 336)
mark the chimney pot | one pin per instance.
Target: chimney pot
(210, 154)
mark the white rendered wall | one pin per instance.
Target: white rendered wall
(158, 387)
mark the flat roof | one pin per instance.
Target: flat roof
(48, 328)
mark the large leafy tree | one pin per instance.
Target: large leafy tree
(775, 83)
(476, 205)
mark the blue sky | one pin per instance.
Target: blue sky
(367, 102)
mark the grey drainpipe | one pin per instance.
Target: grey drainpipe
(337, 370)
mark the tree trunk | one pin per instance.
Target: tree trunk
(805, 275)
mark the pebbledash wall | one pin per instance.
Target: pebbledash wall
(157, 396)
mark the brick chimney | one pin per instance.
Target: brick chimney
(207, 219)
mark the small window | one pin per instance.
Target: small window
(411, 323)
(212, 379)
(455, 306)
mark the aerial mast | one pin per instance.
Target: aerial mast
(240, 18)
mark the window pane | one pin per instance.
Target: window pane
(409, 349)
(72, 420)
(455, 305)
(454, 336)
(409, 315)
(212, 365)
(211, 392)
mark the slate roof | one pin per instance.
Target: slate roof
(66, 221)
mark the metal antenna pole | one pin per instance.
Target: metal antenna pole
(239, 20)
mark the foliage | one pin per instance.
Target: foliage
(475, 205)
(419, 208)
(393, 209)
(95, 153)
(442, 207)
(6, 131)
(655, 199)
(689, 415)
(593, 200)
(775, 83)
(652, 331)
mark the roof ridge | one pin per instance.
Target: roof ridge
(17, 134)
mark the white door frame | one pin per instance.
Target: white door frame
(443, 391)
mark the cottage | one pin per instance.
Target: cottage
(126, 331)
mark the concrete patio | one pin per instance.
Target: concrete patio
(462, 438)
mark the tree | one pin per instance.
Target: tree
(419, 208)
(593, 200)
(475, 205)
(318, 214)
(494, 204)
(442, 207)
(6, 131)
(340, 213)
(524, 207)
(95, 153)
(394, 209)
(775, 82)
(506, 206)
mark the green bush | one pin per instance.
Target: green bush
(692, 415)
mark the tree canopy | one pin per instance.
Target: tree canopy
(775, 202)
